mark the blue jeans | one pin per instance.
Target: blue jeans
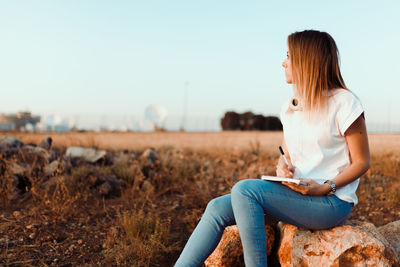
(245, 207)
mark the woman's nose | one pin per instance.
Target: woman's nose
(284, 64)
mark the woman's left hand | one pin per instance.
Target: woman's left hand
(313, 188)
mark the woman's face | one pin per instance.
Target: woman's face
(288, 69)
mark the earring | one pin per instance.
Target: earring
(295, 104)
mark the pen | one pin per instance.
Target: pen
(284, 157)
(287, 163)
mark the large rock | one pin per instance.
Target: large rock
(391, 232)
(35, 153)
(150, 156)
(46, 143)
(10, 144)
(88, 154)
(17, 179)
(353, 244)
(229, 252)
(111, 187)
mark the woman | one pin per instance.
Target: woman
(325, 141)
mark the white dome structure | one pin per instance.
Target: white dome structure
(56, 123)
(156, 114)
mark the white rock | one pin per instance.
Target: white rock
(353, 244)
(89, 154)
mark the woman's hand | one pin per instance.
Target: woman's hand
(313, 188)
(282, 170)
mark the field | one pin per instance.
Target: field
(62, 219)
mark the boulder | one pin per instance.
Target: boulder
(46, 143)
(34, 153)
(111, 187)
(10, 144)
(354, 243)
(229, 252)
(150, 156)
(87, 154)
(391, 232)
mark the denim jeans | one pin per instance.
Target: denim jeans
(249, 200)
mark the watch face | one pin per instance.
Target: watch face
(332, 184)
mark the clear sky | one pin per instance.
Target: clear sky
(101, 61)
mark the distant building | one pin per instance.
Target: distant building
(6, 124)
(18, 122)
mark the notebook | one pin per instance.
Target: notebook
(282, 179)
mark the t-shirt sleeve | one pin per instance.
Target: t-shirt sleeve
(349, 109)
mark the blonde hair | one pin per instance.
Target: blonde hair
(315, 68)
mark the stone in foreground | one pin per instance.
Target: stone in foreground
(229, 252)
(391, 232)
(353, 244)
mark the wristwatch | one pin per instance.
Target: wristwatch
(333, 186)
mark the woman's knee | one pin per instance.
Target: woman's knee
(243, 186)
(217, 206)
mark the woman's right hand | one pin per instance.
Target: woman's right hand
(282, 170)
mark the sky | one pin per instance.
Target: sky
(103, 62)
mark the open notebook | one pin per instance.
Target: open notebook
(283, 179)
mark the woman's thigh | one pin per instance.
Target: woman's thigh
(284, 204)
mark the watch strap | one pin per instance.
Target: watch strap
(332, 184)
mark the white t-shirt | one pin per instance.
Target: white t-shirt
(318, 150)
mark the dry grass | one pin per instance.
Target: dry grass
(67, 222)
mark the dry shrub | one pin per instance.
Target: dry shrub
(59, 201)
(387, 164)
(143, 237)
(128, 169)
(6, 193)
(394, 193)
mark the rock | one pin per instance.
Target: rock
(229, 252)
(391, 232)
(16, 169)
(46, 143)
(51, 168)
(17, 180)
(354, 243)
(150, 155)
(36, 152)
(105, 189)
(111, 187)
(88, 154)
(10, 144)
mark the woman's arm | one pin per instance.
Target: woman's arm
(357, 143)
